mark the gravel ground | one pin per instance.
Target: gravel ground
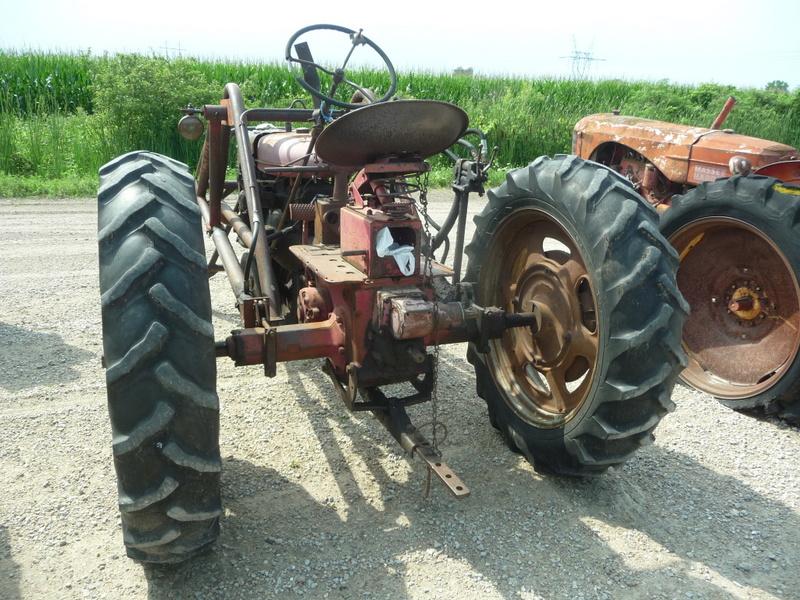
(322, 504)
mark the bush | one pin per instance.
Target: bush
(138, 99)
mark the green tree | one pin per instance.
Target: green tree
(777, 86)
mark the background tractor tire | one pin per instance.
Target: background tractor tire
(613, 287)
(740, 238)
(159, 355)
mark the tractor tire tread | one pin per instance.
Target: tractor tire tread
(634, 267)
(159, 345)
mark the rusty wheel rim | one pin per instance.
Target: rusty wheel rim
(546, 377)
(743, 332)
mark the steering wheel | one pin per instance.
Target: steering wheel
(338, 75)
(478, 153)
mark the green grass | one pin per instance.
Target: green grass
(64, 115)
(21, 186)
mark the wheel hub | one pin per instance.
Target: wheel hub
(745, 303)
(744, 328)
(540, 285)
(547, 375)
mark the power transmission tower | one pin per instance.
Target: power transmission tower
(581, 61)
(166, 50)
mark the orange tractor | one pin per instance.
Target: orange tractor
(730, 206)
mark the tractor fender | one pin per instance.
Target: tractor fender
(666, 145)
(788, 171)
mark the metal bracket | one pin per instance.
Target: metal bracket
(391, 413)
(375, 398)
(349, 393)
(398, 424)
(270, 352)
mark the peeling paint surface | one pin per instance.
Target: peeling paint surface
(682, 153)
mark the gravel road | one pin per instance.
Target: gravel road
(322, 504)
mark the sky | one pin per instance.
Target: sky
(734, 42)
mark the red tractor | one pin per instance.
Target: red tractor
(569, 302)
(730, 205)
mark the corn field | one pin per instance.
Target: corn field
(63, 115)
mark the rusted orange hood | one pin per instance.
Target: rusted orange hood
(684, 154)
(744, 145)
(623, 127)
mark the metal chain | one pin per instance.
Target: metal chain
(428, 279)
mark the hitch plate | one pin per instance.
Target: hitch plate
(445, 474)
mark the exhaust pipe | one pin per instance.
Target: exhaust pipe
(723, 114)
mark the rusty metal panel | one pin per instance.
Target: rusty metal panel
(684, 154)
(666, 145)
(327, 263)
(359, 245)
(787, 171)
(711, 154)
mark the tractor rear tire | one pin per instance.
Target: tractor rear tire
(741, 237)
(158, 345)
(612, 286)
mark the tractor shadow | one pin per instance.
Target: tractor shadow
(227, 317)
(662, 526)
(9, 571)
(705, 519)
(714, 525)
(32, 358)
(277, 541)
(761, 414)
